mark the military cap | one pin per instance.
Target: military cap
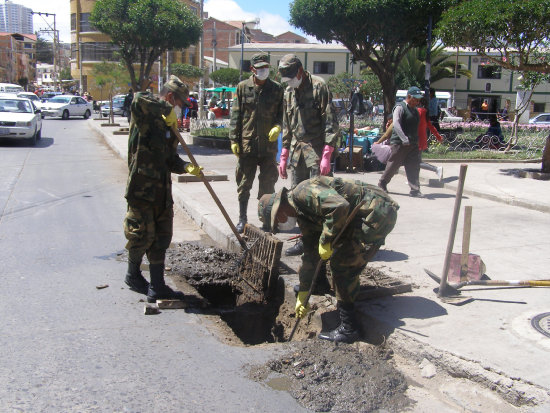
(260, 60)
(415, 92)
(289, 65)
(268, 206)
(176, 86)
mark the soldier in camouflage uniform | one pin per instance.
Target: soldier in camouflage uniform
(256, 121)
(310, 126)
(321, 206)
(152, 157)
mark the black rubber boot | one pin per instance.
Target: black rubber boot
(347, 331)
(243, 205)
(134, 278)
(158, 290)
(297, 249)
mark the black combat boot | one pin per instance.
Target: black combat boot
(243, 205)
(297, 249)
(347, 331)
(158, 290)
(134, 278)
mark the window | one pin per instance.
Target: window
(73, 21)
(238, 37)
(98, 51)
(488, 72)
(323, 68)
(85, 25)
(538, 107)
(246, 65)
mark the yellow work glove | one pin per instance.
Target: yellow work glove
(325, 251)
(171, 119)
(301, 310)
(235, 149)
(274, 133)
(192, 169)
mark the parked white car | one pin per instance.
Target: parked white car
(33, 98)
(65, 106)
(542, 119)
(20, 119)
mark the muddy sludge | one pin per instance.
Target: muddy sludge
(327, 377)
(213, 272)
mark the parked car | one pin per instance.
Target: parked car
(542, 119)
(65, 106)
(446, 116)
(20, 119)
(48, 95)
(118, 107)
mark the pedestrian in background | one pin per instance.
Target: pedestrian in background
(310, 127)
(126, 105)
(404, 143)
(152, 158)
(256, 122)
(321, 206)
(434, 109)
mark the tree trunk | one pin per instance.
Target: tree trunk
(546, 156)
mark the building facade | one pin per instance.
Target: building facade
(15, 18)
(17, 58)
(90, 47)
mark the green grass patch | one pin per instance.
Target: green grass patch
(221, 133)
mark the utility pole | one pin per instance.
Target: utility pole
(55, 35)
(201, 64)
(428, 72)
(80, 88)
(214, 44)
(242, 54)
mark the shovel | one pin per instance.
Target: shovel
(454, 288)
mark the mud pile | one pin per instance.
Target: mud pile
(325, 377)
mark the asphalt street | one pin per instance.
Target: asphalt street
(67, 346)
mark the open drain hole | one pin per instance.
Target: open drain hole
(213, 273)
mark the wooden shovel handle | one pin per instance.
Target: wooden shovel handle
(209, 187)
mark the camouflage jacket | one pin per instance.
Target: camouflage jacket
(310, 120)
(323, 204)
(255, 111)
(152, 153)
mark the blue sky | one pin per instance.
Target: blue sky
(273, 14)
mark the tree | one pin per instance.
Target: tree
(412, 69)
(343, 83)
(113, 76)
(187, 73)
(377, 32)
(508, 33)
(228, 76)
(144, 29)
(23, 81)
(44, 51)
(65, 74)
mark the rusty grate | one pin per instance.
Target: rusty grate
(541, 323)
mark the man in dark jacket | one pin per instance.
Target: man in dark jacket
(152, 158)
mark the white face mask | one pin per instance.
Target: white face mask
(262, 74)
(288, 225)
(292, 83)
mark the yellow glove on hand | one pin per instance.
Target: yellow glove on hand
(325, 251)
(171, 119)
(301, 310)
(235, 149)
(274, 133)
(192, 169)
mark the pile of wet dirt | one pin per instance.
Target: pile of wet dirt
(325, 377)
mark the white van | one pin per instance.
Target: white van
(444, 98)
(10, 88)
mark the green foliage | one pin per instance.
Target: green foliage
(228, 76)
(44, 51)
(412, 69)
(514, 29)
(222, 133)
(23, 81)
(65, 74)
(342, 84)
(377, 32)
(144, 29)
(186, 71)
(111, 77)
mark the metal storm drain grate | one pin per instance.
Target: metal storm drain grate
(541, 323)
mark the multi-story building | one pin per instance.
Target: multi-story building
(17, 57)
(15, 18)
(89, 47)
(45, 76)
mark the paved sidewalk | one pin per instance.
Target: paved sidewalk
(510, 231)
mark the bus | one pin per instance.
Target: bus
(10, 88)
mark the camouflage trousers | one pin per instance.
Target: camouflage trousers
(350, 255)
(301, 172)
(246, 171)
(148, 230)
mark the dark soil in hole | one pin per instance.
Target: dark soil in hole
(213, 272)
(325, 377)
